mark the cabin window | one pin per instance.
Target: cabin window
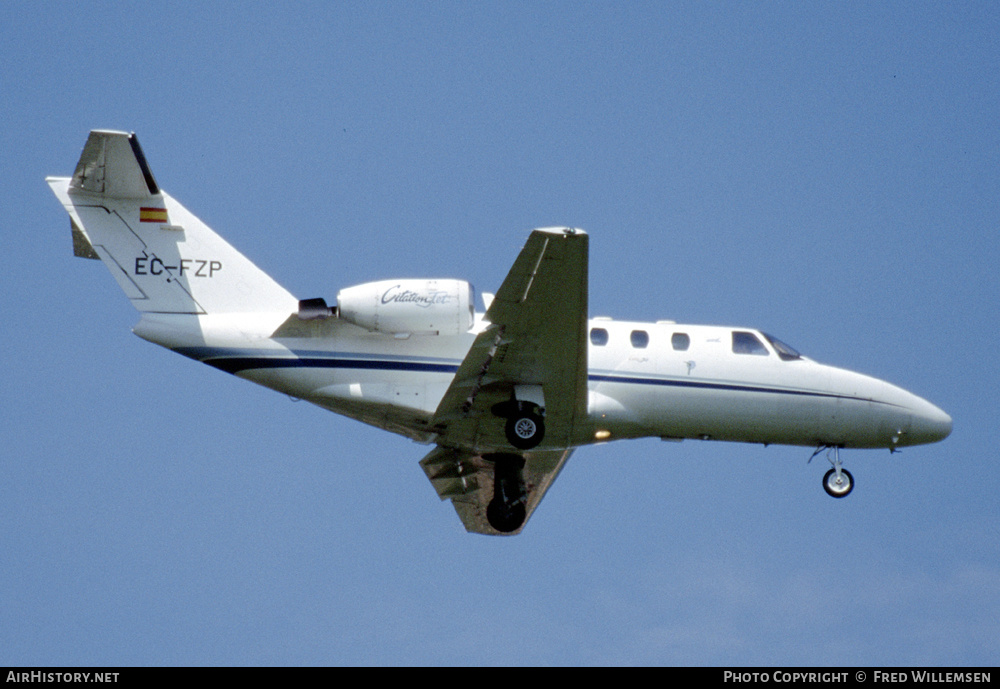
(640, 339)
(680, 342)
(747, 343)
(599, 337)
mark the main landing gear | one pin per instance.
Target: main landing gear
(525, 427)
(507, 510)
(837, 482)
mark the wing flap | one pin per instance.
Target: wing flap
(452, 473)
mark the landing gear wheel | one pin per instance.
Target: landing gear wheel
(505, 518)
(507, 511)
(838, 487)
(525, 430)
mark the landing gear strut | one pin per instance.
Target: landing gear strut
(837, 482)
(506, 511)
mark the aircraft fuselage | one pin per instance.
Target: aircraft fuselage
(664, 379)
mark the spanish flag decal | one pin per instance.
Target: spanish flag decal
(153, 215)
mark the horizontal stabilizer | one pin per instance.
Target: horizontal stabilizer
(112, 164)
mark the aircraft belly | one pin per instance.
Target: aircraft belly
(415, 394)
(295, 382)
(743, 416)
(414, 391)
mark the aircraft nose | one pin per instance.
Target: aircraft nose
(929, 424)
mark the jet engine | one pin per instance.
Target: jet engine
(418, 307)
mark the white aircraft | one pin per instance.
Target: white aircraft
(505, 396)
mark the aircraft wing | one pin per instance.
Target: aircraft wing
(467, 480)
(535, 341)
(535, 348)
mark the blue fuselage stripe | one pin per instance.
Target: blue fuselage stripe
(235, 364)
(729, 387)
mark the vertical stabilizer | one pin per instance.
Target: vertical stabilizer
(164, 258)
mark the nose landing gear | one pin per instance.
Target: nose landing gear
(837, 482)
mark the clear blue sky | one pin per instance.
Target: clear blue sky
(829, 174)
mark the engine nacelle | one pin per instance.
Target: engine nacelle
(419, 307)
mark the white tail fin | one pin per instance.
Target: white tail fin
(164, 258)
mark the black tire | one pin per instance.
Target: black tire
(838, 491)
(525, 430)
(503, 518)
(506, 511)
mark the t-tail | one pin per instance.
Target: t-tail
(165, 259)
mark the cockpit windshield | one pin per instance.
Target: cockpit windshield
(784, 351)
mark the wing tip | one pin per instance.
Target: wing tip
(561, 230)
